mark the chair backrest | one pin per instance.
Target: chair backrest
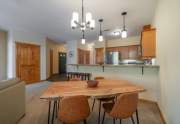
(99, 78)
(73, 109)
(125, 106)
(75, 79)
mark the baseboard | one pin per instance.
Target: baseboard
(160, 112)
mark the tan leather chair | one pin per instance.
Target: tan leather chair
(99, 78)
(74, 109)
(123, 108)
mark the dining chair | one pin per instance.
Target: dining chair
(75, 79)
(124, 107)
(74, 109)
(105, 99)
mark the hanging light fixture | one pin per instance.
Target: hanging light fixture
(88, 22)
(124, 31)
(83, 40)
(101, 38)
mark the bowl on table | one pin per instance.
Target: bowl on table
(92, 83)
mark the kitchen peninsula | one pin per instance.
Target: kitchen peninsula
(141, 74)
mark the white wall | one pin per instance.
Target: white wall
(71, 46)
(167, 22)
(135, 40)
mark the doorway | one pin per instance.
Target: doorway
(62, 63)
(28, 62)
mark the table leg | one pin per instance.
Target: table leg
(137, 116)
(54, 107)
(49, 111)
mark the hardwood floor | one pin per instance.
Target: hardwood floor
(37, 110)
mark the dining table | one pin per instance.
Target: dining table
(105, 88)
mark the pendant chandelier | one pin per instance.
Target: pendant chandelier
(85, 23)
(124, 31)
(101, 38)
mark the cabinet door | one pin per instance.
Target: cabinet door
(148, 43)
(99, 55)
(87, 57)
(133, 52)
(123, 51)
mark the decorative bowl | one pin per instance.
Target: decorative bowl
(92, 83)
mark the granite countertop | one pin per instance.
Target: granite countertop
(120, 65)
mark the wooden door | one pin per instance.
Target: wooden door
(62, 63)
(28, 62)
(148, 43)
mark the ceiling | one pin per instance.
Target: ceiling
(52, 17)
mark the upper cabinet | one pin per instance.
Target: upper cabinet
(99, 55)
(148, 42)
(83, 56)
(126, 52)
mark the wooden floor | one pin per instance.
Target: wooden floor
(37, 110)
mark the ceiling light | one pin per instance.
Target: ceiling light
(88, 22)
(124, 31)
(124, 34)
(83, 40)
(101, 38)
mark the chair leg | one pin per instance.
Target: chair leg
(114, 121)
(137, 116)
(99, 112)
(93, 104)
(85, 122)
(132, 119)
(120, 120)
(103, 117)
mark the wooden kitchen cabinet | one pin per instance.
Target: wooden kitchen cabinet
(99, 55)
(148, 44)
(133, 52)
(83, 56)
(123, 51)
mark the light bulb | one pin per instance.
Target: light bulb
(83, 41)
(75, 16)
(101, 38)
(88, 17)
(73, 24)
(124, 34)
(92, 24)
(83, 28)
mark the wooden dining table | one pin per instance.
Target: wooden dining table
(105, 88)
